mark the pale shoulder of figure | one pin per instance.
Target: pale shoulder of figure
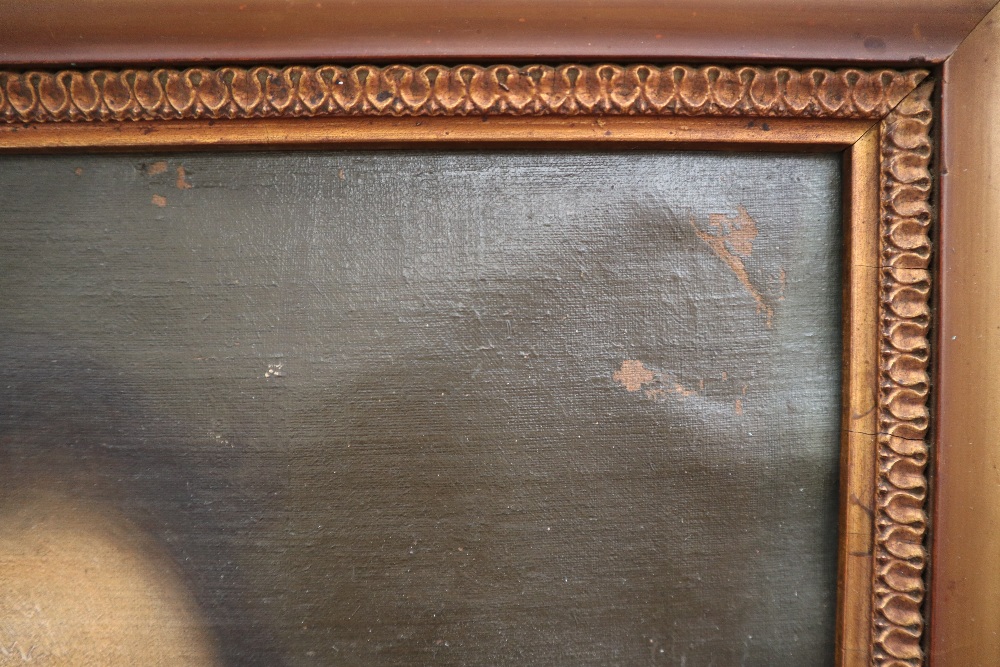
(82, 585)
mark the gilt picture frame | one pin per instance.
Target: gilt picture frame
(882, 115)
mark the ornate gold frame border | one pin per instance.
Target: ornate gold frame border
(898, 101)
(903, 416)
(435, 90)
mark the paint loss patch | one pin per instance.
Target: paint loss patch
(657, 385)
(161, 167)
(182, 182)
(634, 376)
(731, 238)
(155, 168)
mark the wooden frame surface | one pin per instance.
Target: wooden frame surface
(965, 546)
(879, 117)
(127, 33)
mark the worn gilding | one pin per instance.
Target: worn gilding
(901, 521)
(437, 90)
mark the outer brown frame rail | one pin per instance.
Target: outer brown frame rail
(59, 32)
(880, 119)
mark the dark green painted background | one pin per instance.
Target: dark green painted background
(368, 403)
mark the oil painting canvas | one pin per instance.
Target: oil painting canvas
(457, 407)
